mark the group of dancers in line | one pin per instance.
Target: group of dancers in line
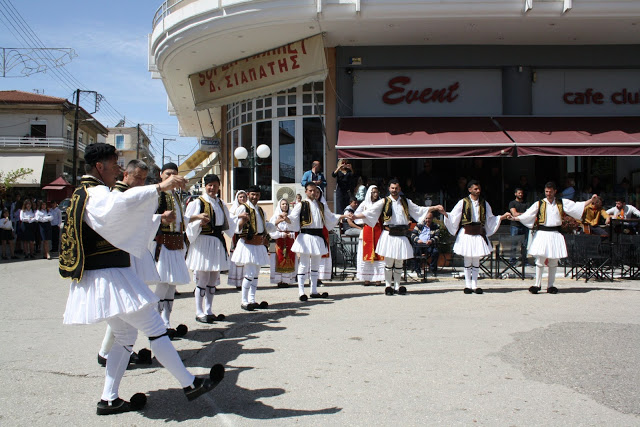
(122, 236)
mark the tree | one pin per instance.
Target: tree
(7, 179)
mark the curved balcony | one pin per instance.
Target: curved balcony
(38, 144)
(189, 36)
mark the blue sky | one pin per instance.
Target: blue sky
(110, 41)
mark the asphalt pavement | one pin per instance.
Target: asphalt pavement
(433, 357)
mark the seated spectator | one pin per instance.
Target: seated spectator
(425, 236)
(570, 191)
(623, 211)
(594, 217)
(349, 227)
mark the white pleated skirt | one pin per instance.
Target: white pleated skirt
(396, 247)
(207, 253)
(277, 277)
(548, 244)
(369, 271)
(171, 266)
(106, 293)
(145, 268)
(471, 246)
(250, 254)
(236, 274)
(309, 244)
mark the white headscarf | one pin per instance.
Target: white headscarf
(367, 203)
(235, 205)
(277, 211)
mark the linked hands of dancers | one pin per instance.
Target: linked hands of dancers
(201, 217)
(173, 182)
(168, 217)
(507, 215)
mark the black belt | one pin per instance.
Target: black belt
(314, 232)
(397, 230)
(545, 228)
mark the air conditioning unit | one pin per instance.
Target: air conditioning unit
(286, 191)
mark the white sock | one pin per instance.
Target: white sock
(116, 366)
(107, 343)
(314, 281)
(169, 358)
(208, 303)
(474, 277)
(199, 293)
(467, 276)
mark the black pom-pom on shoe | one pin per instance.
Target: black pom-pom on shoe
(201, 386)
(552, 290)
(263, 305)
(402, 290)
(171, 333)
(388, 291)
(303, 298)
(247, 307)
(144, 357)
(138, 401)
(478, 291)
(534, 289)
(320, 295)
(204, 319)
(468, 291)
(220, 317)
(182, 330)
(102, 361)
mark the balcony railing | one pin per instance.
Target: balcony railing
(38, 143)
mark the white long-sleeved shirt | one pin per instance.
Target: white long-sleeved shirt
(43, 216)
(57, 216)
(260, 229)
(452, 219)
(330, 219)
(27, 216)
(398, 216)
(628, 211)
(553, 219)
(195, 227)
(6, 224)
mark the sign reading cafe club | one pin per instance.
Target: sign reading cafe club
(284, 67)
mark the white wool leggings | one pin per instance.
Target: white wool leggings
(471, 270)
(165, 293)
(392, 272)
(206, 282)
(312, 264)
(553, 267)
(250, 283)
(125, 329)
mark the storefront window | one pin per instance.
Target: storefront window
(287, 142)
(274, 120)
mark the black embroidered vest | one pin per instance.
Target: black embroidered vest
(467, 215)
(387, 210)
(82, 248)
(305, 213)
(210, 229)
(250, 228)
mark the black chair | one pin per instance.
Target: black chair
(505, 249)
(627, 256)
(343, 252)
(571, 262)
(593, 260)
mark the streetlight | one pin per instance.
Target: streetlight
(163, 141)
(253, 156)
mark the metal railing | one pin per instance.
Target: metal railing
(38, 143)
(164, 10)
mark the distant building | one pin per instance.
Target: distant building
(124, 139)
(36, 132)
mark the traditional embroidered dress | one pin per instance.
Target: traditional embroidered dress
(545, 218)
(208, 251)
(283, 259)
(370, 265)
(394, 249)
(236, 273)
(96, 243)
(250, 250)
(471, 215)
(310, 217)
(170, 262)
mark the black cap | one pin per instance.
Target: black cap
(208, 179)
(171, 166)
(253, 189)
(99, 152)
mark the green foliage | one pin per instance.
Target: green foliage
(8, 179)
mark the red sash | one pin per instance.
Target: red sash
(370, 238)
(285, 259)
(325, 234)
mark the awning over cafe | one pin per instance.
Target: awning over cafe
(408, 137)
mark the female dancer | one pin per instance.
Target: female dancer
(370, 265)
(236, 273)
(283, 261)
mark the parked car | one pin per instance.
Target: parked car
(63, 206)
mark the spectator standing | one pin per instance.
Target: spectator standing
(315, 175)
(344, 178)
(55, 226)
(28, 221)
(516, 208)
(427, 182)
(6, 235)
(44, 218)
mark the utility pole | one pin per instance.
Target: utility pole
(138, 144)
(163, 141)
(75, 140)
